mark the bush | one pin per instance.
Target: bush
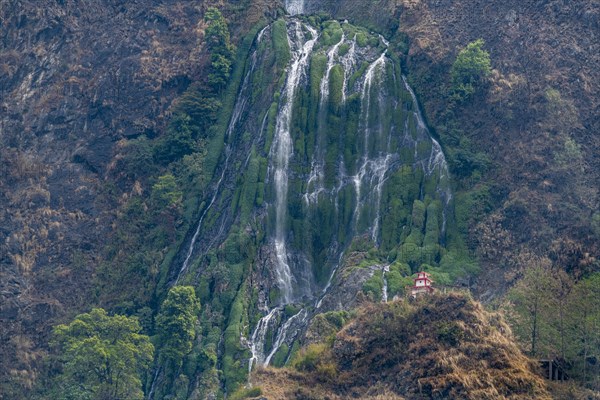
(450, 333)
(244, 393)
(470, 69)
(309, 358)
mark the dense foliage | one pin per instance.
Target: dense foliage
(175, 323)
(471, 67)
(102, 357)
(554, 316)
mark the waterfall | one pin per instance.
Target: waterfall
(384, 291)
(373, 169)
(238, 110)
(294, 7)
(282, 150)
(436, 161)
(328, 160)
(314, 184)
(331, 55)
(348, 62)
(258, 339)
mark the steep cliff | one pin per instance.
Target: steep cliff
(314, 183)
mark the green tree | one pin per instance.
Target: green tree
(198, 103)
(584, 314)
(102, 357)
(470, 69)
(175, 323)
(219, 45)
(178, 141)
(217, 34)
(165, 192)
(530, 303)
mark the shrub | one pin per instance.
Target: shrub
(246, 393)
(450, 333)
(309, 358)
(471, 67)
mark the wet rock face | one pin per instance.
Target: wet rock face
(75, 78)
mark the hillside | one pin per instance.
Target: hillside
(443, 347)
(290, 166)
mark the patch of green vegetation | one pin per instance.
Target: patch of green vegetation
(470, 69)
(331, 33)
(336, 83)
(398, 278)
(246, 393)
(280, 42)
(373, 287)
(100, 356)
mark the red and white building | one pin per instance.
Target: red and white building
(422, 284)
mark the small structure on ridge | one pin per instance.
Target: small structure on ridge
(422, 284)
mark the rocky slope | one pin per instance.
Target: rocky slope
(537, 123)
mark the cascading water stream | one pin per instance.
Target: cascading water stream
(348, 61)
(235, 118)
(384, 292)
(437, 159)
(315, 179)
(346, 179)
(294, 7)
(372, 169)
(301, 45)
(282, 150)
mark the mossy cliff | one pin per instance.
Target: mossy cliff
(325, 156)
(281, 166)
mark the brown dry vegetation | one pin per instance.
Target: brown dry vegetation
(442, 347)
(537, 122)
(77, 77)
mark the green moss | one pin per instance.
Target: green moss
(336, 83)
(280, 356)
(280, 43)
(331, 33)
(432, 227)
(418, 216)
(271, 121)
(362, 39)
(356, 75)
(373, 287)
(343, 49)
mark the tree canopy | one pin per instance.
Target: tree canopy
(219, 45)
(471, 67)
(103, 357)
(175, 322)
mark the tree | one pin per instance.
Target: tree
(102, 357)
(219, 45)
(530, 299)
(178, 142)
(217, 35)
(584, 312)
(165, 192)
(176, 322)
(471, 67)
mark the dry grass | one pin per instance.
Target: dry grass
(442, 347)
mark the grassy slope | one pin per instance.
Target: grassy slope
(444, 346)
